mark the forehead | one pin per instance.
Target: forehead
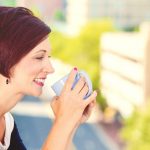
(44, 45)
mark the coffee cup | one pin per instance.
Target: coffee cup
(58, 85)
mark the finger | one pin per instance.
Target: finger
(71, 79)
(91, 98)
(87, 110)
(87, 113)
(79, 85)
(84, 90)
(93, 103)
(90, 110)
(54, 105)
(52, 102)
(55, 98)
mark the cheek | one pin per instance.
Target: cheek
(26, 71)
(26, 76)
(33, 70)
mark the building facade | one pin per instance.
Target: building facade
(126, 14)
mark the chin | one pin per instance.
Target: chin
(35, 93)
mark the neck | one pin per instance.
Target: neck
(8, 97)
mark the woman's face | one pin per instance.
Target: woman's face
(29, 74)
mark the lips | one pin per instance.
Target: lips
(39, 81)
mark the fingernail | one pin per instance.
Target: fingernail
(75, 68)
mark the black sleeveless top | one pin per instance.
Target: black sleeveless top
(16, 142)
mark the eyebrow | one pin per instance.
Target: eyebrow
(42, 50)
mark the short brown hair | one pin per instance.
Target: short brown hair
(20, 32)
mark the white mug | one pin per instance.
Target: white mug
(58, 86)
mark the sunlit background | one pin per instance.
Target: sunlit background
(109, 39)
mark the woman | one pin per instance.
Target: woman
(24, 65)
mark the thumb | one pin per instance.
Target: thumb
(54, 98)
(53, 101)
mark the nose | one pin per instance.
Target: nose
(48, 67)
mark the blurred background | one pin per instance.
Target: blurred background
(109, 39)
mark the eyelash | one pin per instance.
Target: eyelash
(40, 58)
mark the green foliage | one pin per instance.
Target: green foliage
(137, 130)
(83, 50)
(59, 15)
(7, 2)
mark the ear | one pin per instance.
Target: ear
(11, 71)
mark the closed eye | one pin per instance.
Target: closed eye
(39, 58)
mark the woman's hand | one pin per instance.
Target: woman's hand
(70, 105)
(87, 112)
